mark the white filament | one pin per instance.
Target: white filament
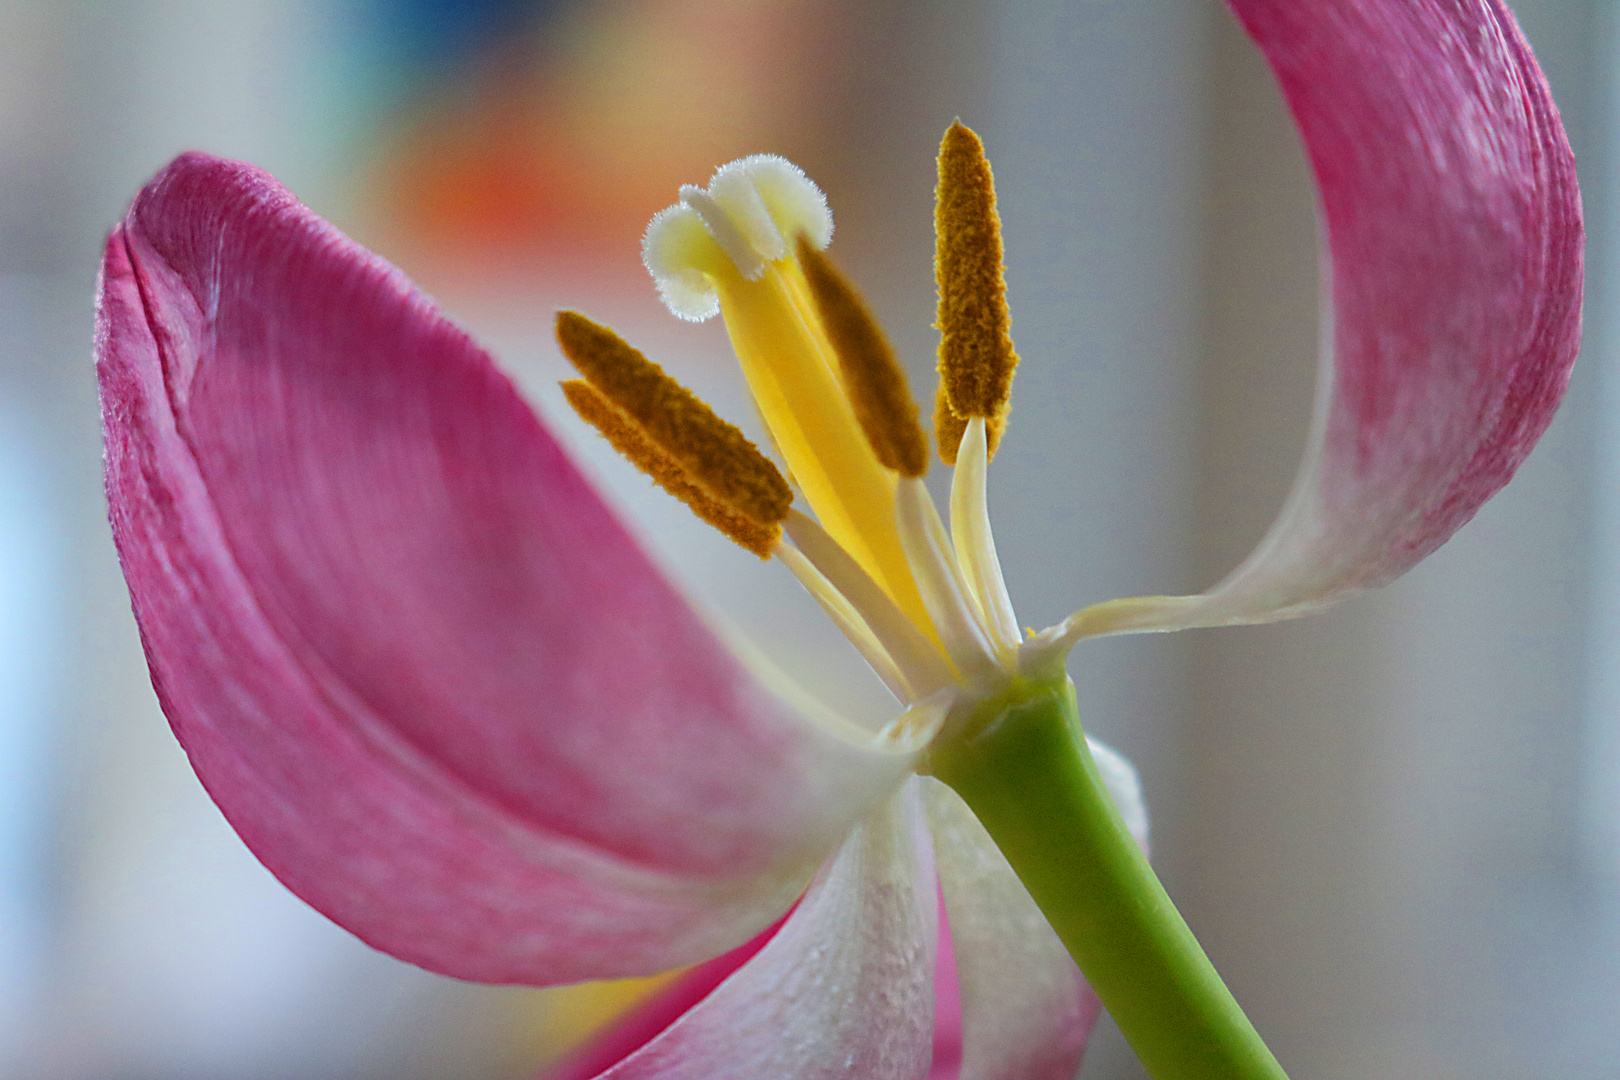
(848, 620)
(924, 667)
(939, 580)
(975, 544)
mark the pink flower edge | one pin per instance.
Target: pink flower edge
(429, 678)
(1453, 221)
(1453, 291)
(1008, 1002)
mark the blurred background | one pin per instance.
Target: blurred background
(1395, 827)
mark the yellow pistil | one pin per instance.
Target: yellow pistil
(790, 366)
(872, 377)
(976, 357)
(632, 441)
(686, 430)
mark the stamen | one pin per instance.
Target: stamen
(918, 655)
(628, 439)
(872, 377)
(712, 452)
(939, 580)
(948, 427)
(976, 357)
(847, 619)
(975, 545)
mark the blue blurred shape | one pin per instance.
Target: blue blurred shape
(432, 36)
(31, 582)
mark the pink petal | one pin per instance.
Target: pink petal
(1026, 1011)
(1454, 224)
(647, 1020)
(947, 1064)
(426, 674)
(844, 989)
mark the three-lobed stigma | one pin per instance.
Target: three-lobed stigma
(751, 215)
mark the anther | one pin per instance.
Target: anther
(715, 454)
(872, 377)
(948, 427)
(976, 357)
(633, 443)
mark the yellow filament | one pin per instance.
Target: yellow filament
(976, 357)
(789, 365)
(714, 452)
(872, 377)
(630, 440)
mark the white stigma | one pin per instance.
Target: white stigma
(751, 215)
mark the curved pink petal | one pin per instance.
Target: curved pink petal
(425, 673)
(1026, 1011)
(844, 989)
(1453, 225)
(947, 1064)
(645, 1021)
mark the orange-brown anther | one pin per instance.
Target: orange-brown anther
(948, 427)
(872, 377)
(713, 453)
(630, 440)
(976, 356)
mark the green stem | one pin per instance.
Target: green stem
(1021, 763)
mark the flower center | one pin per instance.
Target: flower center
(927, 607)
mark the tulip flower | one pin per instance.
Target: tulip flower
(445, 697)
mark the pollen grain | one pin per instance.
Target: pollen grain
(872, 377)
(713, 453)
(627, 437)
(976, 356)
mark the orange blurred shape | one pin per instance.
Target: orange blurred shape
(568, 141)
